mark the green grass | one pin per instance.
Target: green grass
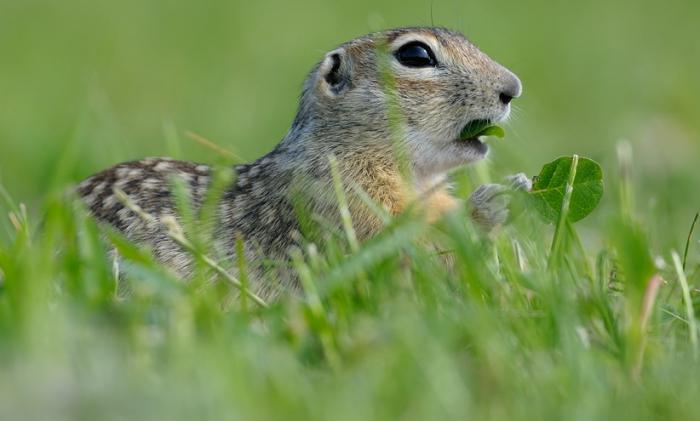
(383, 330)
(606, 328)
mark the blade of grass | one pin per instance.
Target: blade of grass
(316, 308)
(690, 312)
(345, 216)
(242, 272)
(214, 147)
(346, 219)
(371, 204)
(648, 301)
(172, 139)
(687, 242)
(579, 245)
(174, 231)
(563, 214)
(5, 196)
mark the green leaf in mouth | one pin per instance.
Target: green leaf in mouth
(495, 131)
(478, 128)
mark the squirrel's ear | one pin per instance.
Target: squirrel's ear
(335, 72)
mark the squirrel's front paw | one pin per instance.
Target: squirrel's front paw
(489, 202)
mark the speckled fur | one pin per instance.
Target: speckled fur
(348, 118)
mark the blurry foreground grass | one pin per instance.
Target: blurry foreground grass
(383, 332)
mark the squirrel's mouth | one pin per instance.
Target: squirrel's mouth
(469, 135)
(474, 144)
(475, 128)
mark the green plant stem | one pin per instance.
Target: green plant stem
(687, 241)
(345, 216)
(690, 313)
(579, 245)
(650, 294)
(564, 213)
(346, 219)
(317, 310)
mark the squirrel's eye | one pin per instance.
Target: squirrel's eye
(416, 54)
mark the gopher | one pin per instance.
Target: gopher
(388, 107)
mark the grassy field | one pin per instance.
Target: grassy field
(606, 330)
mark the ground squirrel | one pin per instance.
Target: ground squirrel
(434, 79)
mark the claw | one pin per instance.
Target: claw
(519, 181)
(490, 204)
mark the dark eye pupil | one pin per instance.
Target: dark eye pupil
(416, 54)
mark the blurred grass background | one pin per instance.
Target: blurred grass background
(85, 84)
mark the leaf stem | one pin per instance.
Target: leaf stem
(564, 213)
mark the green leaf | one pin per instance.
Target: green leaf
(495, 131)
(478, 128)
(549, 186)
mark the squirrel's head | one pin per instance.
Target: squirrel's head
(421, 86)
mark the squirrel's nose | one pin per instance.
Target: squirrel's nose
(505, 98)
(512, 88)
